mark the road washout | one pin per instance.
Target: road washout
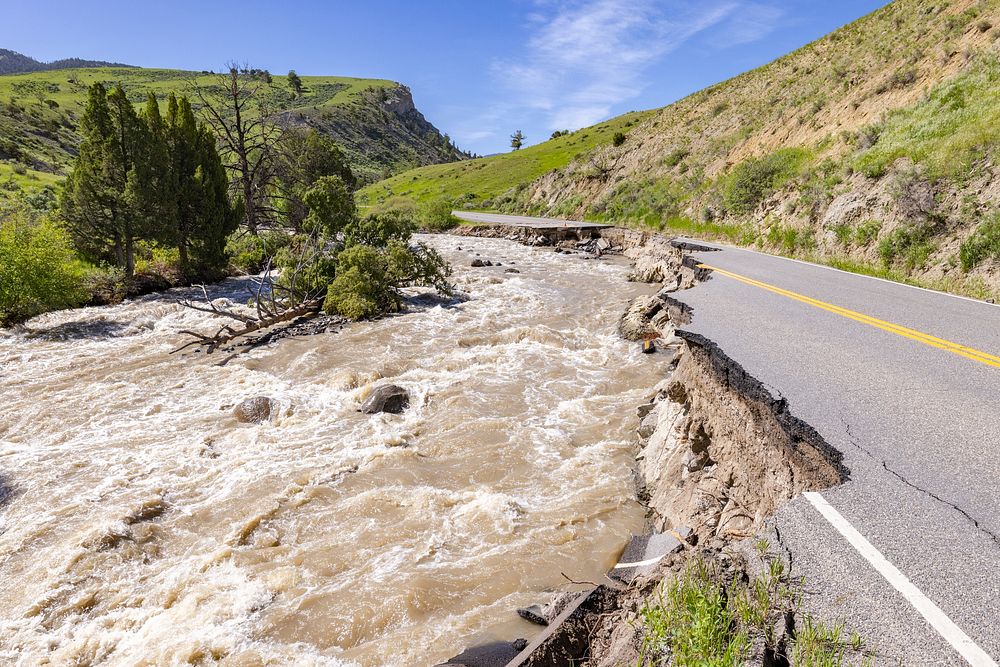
(716, 455)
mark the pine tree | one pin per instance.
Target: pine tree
(295, 83)
(203, 215)
(110, 199)
(517, 140)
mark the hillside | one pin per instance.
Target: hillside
(873, 148)
(374, 120)
(12, 62)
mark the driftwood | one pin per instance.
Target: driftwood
(227, 334)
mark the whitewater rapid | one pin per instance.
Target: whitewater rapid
(141, 524)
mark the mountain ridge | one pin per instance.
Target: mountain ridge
(13, 62)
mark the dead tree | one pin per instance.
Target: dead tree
(237, 110)
(274, 302)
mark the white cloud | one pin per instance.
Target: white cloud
(587, 56)
(582, 59)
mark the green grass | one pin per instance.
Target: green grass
(39, 111)
(958, 124)
(983, 244)
(68, 87)
(485, 179)
(25, 179)
(701, 618)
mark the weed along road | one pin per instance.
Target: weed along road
(904, 382)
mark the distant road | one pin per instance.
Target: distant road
(906, 383)
(524, 221)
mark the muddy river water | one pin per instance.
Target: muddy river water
(140, 524)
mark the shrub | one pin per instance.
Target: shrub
(38, 268)
(909, 246)
(435, 216)
(754, 179)
(983, 244)
(249, 254)
(618, 139)
(675, 156)
(866, 232)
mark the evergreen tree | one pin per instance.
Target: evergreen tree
(295, 83)
(304, 157)
(517, 140)
(110, 198)
(202, 214)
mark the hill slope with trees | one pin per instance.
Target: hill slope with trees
(374, 120)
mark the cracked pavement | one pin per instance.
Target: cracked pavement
(918, 427)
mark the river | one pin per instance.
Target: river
(140, 524)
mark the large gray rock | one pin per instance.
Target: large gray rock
(387, 398)
(254, 410)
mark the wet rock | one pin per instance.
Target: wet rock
(254, 410)
(602, 244)
(494, 654)
(481, 262)
(533, 614)
(387, 398)
(511, 271)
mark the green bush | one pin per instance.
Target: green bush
(249, 254)
(983, 244)
(618, 139)
(909, 246)
(38, 269)
(754, 179)
(866, 232)
(435, 216)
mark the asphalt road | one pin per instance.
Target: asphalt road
(524, 221)
(918, 423)
(903, 381)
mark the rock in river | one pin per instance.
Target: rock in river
(254, 410)
(387, 398)
(481, 262)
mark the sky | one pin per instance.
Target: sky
(478, 69)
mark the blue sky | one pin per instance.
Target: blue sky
(479, 69)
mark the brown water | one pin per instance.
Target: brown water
(141, 524)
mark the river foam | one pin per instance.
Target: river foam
(141, 524)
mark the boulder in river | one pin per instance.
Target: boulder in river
(387, 398)
(481, 262)
(254, 410)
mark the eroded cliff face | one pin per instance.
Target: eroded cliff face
(382, 133)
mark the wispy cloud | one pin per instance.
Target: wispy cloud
(582, 59)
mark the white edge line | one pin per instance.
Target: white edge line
(953, 634)
(639, 563)
(726, 246)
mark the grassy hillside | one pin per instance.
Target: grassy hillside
(372, 118)
(484, 181)
(873, 148)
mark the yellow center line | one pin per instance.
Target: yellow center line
(899, 330)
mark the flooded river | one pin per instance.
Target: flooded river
(140, 524)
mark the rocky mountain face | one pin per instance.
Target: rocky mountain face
(382, 132)
(875, 145)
